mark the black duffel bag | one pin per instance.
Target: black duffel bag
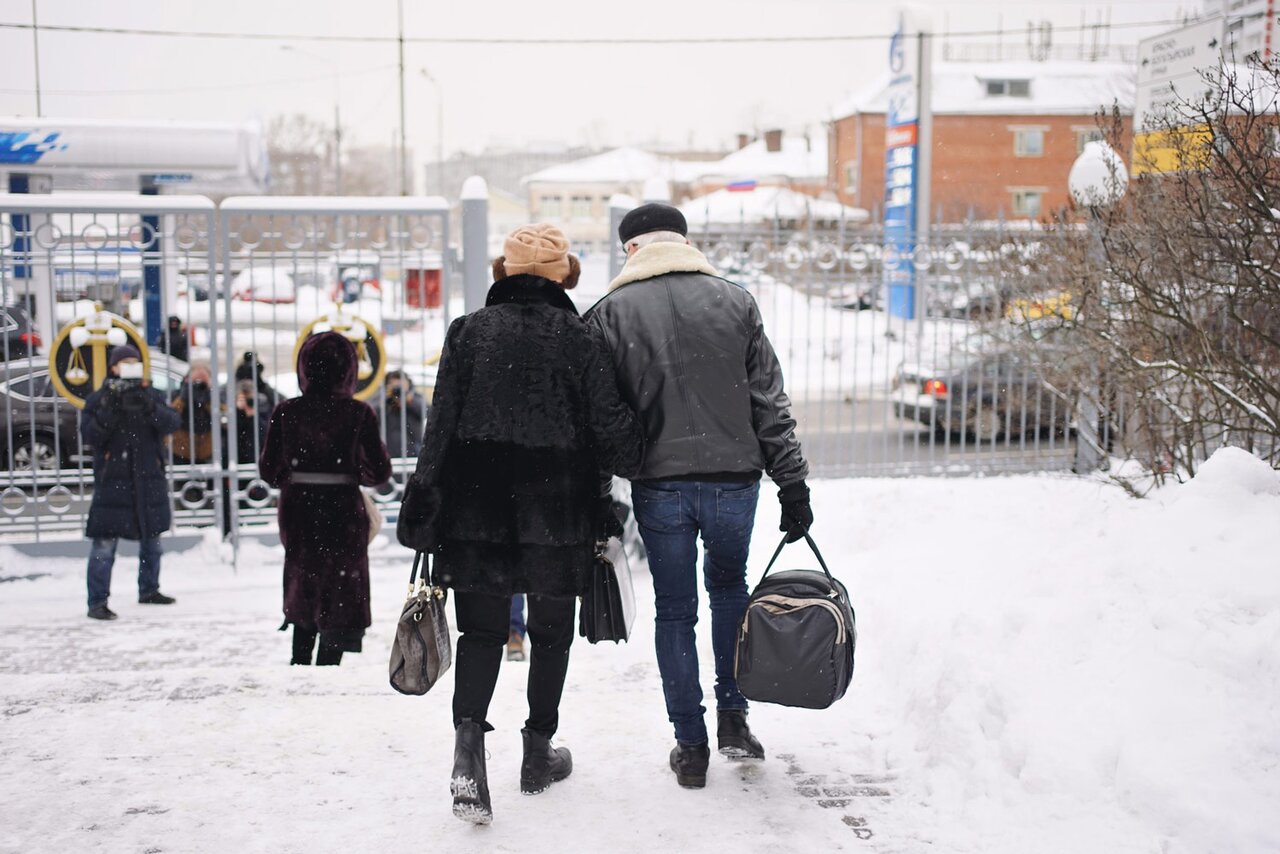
(796, 639)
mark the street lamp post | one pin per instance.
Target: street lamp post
(337, 114)
(439, 129)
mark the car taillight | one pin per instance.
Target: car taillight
(936, 388)
(31, 339)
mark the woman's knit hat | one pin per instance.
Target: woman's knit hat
(540, 249)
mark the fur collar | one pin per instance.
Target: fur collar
(659, 258)
(525, 288)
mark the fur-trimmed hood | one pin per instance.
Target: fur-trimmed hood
(657, 259)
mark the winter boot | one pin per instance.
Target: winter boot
(736, 740)
(470, 781)
(690, 761)
(543, 764)
(304, 642)
(101, 612)
(328, 653)
(515, 647)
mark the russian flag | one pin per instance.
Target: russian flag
(741, 186)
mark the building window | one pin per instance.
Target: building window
(1027, 201)
(851, 177)
(580, 207)
(1028, 142)
(1009, 88)
(550, 206)
(1085, 136)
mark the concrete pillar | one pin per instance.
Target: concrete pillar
(475, 243)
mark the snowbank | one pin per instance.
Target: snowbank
(1045, 665)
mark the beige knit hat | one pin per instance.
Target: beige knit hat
(540, 249)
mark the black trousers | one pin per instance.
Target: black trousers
(484, 622)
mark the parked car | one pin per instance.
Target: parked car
(993, 394)
(39, 429)
(265, 284)
(18, 337)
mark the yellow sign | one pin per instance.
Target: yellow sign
(1163, 151)
(78, 357)
(371, 352)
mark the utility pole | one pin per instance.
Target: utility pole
(35, 38)
(404, 156)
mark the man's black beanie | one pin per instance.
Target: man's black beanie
(649, 218)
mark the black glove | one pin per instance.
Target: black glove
(797, 515)
(607, 522)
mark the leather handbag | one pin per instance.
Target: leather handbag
(796, 639)
(421, 651)
(609, 603)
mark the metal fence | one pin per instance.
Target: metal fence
(223, 295)
(954, 389)
(220, 296)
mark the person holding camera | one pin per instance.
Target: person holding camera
(125, 422)
(405, 415)
(193, 441)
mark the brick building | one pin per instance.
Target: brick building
(1004, 135)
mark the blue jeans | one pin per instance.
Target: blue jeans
(670, 515)
(517, 615)
(102, 555)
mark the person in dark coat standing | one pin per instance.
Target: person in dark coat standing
(320, 448)
(406, 411)
(526, 417)
(126, 421)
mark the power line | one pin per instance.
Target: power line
(209, 88)
(491, 40)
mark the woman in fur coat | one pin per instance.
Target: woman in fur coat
(525, 421)
(320, 448)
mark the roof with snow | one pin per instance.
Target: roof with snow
(765, 204)
(800, 158)
(1062, 88)
(619, 166)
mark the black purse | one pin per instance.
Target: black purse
(609, 603)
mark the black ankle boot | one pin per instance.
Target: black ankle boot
(543, 764)
(690, 761)
(470, 781)
(734, 736)
(303, 642)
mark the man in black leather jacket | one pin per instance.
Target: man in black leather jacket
(694, 363)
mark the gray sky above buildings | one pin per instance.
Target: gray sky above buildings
(597, 94)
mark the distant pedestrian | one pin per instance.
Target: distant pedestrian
(250, 368)
(320, 448)
(525, 418)
(694, 362)
(406, 411)
(125, 422)
(176, 341)
(195, 402)
(518, 630)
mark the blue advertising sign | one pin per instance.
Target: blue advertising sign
(901, 137)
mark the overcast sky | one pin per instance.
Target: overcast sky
(700, 94)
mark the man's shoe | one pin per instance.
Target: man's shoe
(156, 598)
(543, 764)
(734, 736)
(101, 612)
(515, 647)
(690, 761)
(469, 782)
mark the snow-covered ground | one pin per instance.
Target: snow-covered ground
(1045, 665)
